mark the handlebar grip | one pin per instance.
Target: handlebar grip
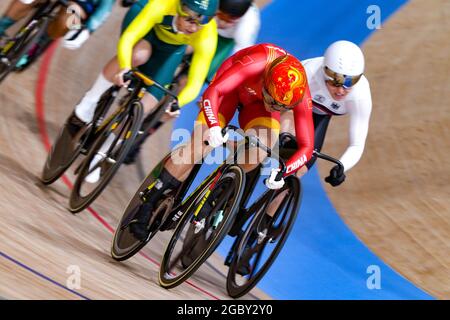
(279, 175)
(340, 169)
(175, 106)
(128, 76)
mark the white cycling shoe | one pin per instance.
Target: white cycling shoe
(94, 176)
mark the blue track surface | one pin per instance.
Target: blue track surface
(322, 259)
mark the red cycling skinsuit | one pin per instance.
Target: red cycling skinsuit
(239, 81)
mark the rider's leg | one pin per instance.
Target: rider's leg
(161, 67)
(287, 125)
(141, 53)
(268, 135)
(86, 108)
(178, 167)
(176, 170)
(183, 159)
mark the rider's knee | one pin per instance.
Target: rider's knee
(141, 53)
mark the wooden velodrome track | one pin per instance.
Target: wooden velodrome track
(407, 227)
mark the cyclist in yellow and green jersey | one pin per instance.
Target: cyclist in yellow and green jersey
(155, 34)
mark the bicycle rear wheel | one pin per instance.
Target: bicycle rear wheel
(67, 146)
(125, 245)
(62, 154)
(253, 244)
(200, 231)
(117, 138)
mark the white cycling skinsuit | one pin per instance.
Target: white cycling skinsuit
(245, 31)
(357, 104)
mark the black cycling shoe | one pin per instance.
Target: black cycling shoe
(139, 225)
(132, 154)
(244, 268)
(74, 124)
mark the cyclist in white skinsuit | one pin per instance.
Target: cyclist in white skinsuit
(335, 95)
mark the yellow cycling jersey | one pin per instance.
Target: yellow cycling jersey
(156, 15)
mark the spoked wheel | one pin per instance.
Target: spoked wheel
(201, 229)
(105, 157)
(258, 247)
(13, 51)
(125, 244)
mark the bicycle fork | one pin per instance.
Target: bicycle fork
(199, 224)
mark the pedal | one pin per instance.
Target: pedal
(199, 225)
(261, 236)
(217, 219)
(110, 160)
(5, 61)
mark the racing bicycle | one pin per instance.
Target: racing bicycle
(107, 139)
(15, 47)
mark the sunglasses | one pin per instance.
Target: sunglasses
(275, 105)
(192, 17)
(340, 80)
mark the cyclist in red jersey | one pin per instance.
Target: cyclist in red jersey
(259, 81)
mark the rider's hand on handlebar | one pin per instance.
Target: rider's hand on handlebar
(215, 138)
(173, 110)
(272, 182)
(118, 78)
(74, 39)
(336, 177)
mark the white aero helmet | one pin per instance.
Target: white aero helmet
(343, 63)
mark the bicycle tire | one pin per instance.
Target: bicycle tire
(124, 244)
(58, 160)
(53, 170)
(77, 201)
(233, 288)
(166, 277)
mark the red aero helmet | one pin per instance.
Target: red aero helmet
(285, 80)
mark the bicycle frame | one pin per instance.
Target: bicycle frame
(136, 89)
(43, 10)
(183, 206)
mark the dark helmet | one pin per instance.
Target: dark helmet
(206, 8)
(235, 8)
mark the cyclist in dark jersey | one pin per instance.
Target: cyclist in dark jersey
(81, 19)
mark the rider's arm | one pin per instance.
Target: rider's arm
(304, 133)
(150, 15)
(204, 46)
(247, 29)
(229, 80)
(359, 125)
(100, 15)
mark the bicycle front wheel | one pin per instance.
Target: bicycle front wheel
(203, 226)
(105, 157)
(258, 247)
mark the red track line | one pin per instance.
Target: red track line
(40, 115)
